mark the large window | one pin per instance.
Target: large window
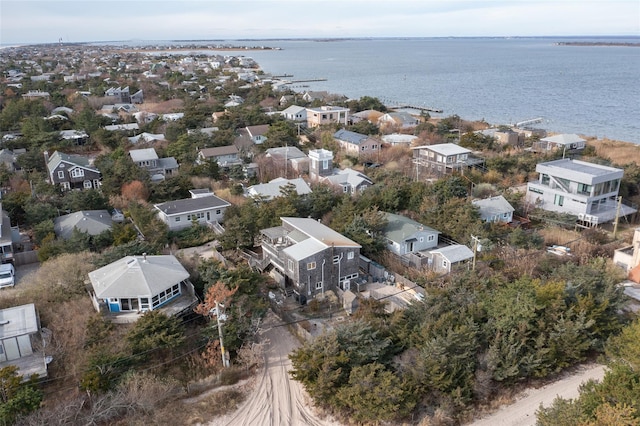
(60, 174)
(584, 189)
(558, 200)
(77, 172)
(350, 255)
(311, 265)
(165, 295)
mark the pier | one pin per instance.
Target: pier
(307, 80)
(421, 108)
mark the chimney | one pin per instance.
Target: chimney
(46, 157)
(144, 257)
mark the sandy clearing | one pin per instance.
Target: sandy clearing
(523, 411)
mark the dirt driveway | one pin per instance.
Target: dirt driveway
(276, 399)
(22, 280)
(523, 411)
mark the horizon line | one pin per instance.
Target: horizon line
(320, 38)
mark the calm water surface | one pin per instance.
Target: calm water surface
(590, 90)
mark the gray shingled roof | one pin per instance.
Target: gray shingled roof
(134, 276)
(319, 232)
(188, 205)
(455, 253)
(92, 222)
(350, 137)
(77, 160)
(493, 206)
(400, 227)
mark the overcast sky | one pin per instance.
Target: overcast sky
(29, 21)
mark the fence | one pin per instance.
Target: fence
(25, 257)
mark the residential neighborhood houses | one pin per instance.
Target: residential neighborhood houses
(188, 194)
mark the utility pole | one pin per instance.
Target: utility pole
(476, 244)
(225, 360)
(615, 224)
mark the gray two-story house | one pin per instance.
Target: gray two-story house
(310, 258)
(72, 171)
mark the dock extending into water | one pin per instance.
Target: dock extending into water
(420, 108)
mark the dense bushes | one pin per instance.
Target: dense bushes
(464, 342)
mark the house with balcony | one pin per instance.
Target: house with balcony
(586, 190)
(443, 159)
(127, 288)
(72, 171)
(327, 115)
(308, 258)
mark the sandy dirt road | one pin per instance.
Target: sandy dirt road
(276, 400)
(523, 411)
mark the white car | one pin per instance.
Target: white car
(7, 275)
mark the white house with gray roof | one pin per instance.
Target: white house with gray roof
(404, 235)
(348, 181)
(309, 258)
(295, 113)
(495, 209)
(444, 158)
(275, 188)
(563, 141)
(579, 188)
(205, 209)
(448, 258)
(129, 287)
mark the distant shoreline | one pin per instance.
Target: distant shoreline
(597, 43)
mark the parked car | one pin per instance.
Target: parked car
(7, 275)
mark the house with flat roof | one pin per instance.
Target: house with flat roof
(586, 190)
(310, 258)
(327, 115)
(203, 208)
(442, 159)
(21, 341)
(127, 288)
